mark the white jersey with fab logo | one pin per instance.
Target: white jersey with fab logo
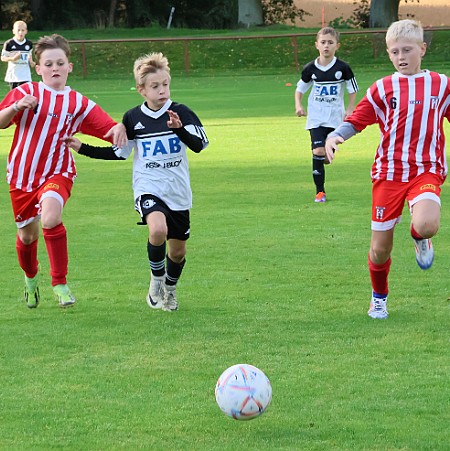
(160, 164)
(19, 70)
(328, 83)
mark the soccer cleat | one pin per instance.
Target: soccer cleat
(64, 295)
(424, 253)
(156, 291)
(31, 291)
(320, 197)
(169, 302)
(378, 308)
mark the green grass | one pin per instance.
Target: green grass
(234, 52)
(272, 279)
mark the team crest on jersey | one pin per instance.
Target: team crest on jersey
(434, 102)
(380, 212)
(338, 75)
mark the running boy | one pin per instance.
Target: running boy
(159, 132)
(326, 76)
(410, 163)
(17, 52)
(40, 167)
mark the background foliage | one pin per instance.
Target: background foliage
(207, 14)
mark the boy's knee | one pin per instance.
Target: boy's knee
(427, 229)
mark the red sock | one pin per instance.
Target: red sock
(414, 234)
(379, 276)
(27, 255)
(56, 243)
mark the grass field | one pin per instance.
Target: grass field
(272, 279)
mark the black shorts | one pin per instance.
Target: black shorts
(319, 136)
(178, 222)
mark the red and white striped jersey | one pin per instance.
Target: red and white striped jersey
(38, 151)
(410, 112)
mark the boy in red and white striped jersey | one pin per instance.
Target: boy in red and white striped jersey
(410, 163)
(40, 168)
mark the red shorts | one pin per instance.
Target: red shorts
(388, 198)
(27, 205)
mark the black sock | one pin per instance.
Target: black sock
(156, 258)
(318, 164)
(174, 271)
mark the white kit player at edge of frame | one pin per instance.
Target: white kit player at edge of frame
(243, 392)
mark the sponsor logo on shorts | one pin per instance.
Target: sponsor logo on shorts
(149, 203)
(428, 187)
(51, 186)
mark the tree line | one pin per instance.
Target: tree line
(211, 14)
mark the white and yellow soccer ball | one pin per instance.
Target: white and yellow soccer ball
(243, 392)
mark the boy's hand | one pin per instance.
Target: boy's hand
(73, 143)
(331, 145)
(174, 120)
(27, 102)
(300, 112)
(118, 134)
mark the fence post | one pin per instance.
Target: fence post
(83, 58)
(295, 45)
(186, 56)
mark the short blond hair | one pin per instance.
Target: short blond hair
(149, 64)
(407, 28)
(17, 23)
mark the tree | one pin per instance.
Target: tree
(384, 12)
(281, 11)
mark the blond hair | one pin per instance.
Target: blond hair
(149, 64)
(328, 30)
(407, 28)
(17, 23)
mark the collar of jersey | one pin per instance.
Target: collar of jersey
(324, 68)
(156, 114)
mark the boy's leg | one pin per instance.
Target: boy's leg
(175, 264)
(318, 165)
(54, 195)
(26, 247)
(379, 262)
(318, 138)
(156, 251)
(425, 206)
(26, 214)
(388, 199)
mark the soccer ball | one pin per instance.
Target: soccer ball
(243, 392)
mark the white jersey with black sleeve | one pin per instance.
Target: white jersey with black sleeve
(326, 106)
(160, 162)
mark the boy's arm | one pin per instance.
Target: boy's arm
(7, 114)
(299, 111)
(351, 104)
(194, 143)
(338, 136)
(98, 152)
